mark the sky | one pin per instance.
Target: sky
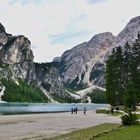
(54, 26)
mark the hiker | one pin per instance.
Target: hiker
(117, 108)
(85, 111)
(112, 110)
(71, 110)
(76, 110)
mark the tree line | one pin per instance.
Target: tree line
(22, 92)
(122, 75)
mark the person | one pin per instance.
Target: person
(85, 111)
(112, 110)
(117, 108)
(76, 110)
(71, 110)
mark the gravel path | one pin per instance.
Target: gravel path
(38, 126)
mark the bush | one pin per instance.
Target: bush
(102, 111)
(129, 119)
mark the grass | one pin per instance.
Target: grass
(103, 132)
(86, 134)
(128, 133)
(105, 111)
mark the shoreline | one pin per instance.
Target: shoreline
(45, 125)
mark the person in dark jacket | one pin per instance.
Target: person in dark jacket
(76, 110)
(71, 110)
(85, 111)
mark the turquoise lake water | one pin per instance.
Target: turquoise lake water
(45, 107)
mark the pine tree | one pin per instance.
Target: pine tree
(119, 75)
(110, 79)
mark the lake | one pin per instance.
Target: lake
(13, 107)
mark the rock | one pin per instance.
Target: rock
(84, 65)
(17, 61)
(17, 54)
(48, 77)
(3, 36)
(76, 64)
(2, 29)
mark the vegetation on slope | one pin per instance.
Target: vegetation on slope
(22, 92)
(66, 99)
(97, 96)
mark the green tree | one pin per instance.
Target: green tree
(123, 78)
(110, 79)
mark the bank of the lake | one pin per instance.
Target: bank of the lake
(39, 126)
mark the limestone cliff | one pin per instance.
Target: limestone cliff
(84, 64)
(17, 61)
(76, 65)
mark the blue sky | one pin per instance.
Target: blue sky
(54, 26)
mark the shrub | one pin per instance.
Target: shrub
(102, 111)
(129, 119)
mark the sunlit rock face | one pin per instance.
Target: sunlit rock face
(77, 64)
(128, 34)
(84, 64)
(17, 61)
(16, 54)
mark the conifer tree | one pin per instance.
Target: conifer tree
(110, 79)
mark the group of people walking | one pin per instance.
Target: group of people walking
(75, 110)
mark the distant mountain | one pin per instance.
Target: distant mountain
(84, 64)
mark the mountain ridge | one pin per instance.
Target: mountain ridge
(81, 67)
(92, 73)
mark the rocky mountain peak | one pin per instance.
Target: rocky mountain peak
(17, 50)
(135, 19)
(3, 36)
(84, 64)
(129, 33)
(2, 29)
(102, 37)
(77, 63)
(17, 62)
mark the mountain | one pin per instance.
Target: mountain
(83, 65)
(78, 68)
(17, 63)
(76, 65)
(128, 34)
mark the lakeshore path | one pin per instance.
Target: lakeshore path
(38, 126)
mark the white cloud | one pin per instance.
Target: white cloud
(77, 20)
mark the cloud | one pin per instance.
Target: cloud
(24, 2)
(96, 1)
(54, 26)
